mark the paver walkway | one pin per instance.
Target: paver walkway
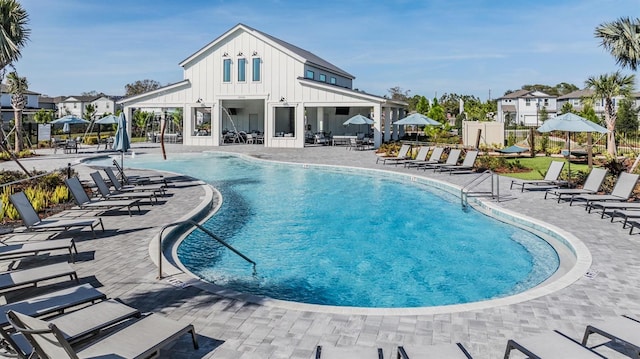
(230, 328)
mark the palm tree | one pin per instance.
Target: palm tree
(622, 39)
(607, 87)
(14, 34)
(17, 86)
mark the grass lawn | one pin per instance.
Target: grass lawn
(540, 165)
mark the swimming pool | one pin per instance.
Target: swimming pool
(335, 237)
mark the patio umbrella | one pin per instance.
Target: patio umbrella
(358, 120)
(67, 121)
(121, 142)
(106, 120)
(570, 122)
(417, 119)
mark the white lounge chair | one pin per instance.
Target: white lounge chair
(17, 250)
(138, 179)
(78, 325)
(20, 277)
(591, 185)
(452, 160)
(403, 155)
(141, 339)
(449, 351)
(621, 192)
(551, 178)
(106, 193)
(622, 330)
(84, 202)
(422, 155)
(550, 345)
(33, 222)
(434, 158)
(466, 165)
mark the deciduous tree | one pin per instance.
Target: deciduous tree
(141, 86)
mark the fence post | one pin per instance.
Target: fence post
(68, 170)
(532, 142)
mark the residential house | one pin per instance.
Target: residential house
(523, 107)
(247, 80)
(7, 110)
(577, 99)
(77, 105)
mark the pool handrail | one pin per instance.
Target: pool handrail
(208, 232)
(476, 181)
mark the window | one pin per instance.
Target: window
(332, 80)
(201, 122)
(285, 122)
(256, 69)
(323, 78)
(226, 73)
(546, 102)
(309, 74)
(527, 102)
(242, 70)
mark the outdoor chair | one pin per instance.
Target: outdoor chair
(106, 193)
(449, 351)
(452, 160)
(33, 222)
(625, 214)
(71, 146)
(84, 202)
(332, 352)
(591, 185)
(620, 330)
(621, 192)
(21, 277)
(550, 345)
(17, 250)
(423, 152)
(403, 155)
(605, 206)
(436, 154)
(156, 188)
(466, 165)
(78, 326)
(138, 179)
(551, 178)
(142, 339)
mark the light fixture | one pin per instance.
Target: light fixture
(225, 54)
(282, 99)
(199, 100)
(255, 53)
(240, 53)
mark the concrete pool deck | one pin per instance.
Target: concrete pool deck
(119, 262)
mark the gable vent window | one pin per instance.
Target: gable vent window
(323, 78)
(309, 74)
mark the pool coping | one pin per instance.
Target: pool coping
(562, 241)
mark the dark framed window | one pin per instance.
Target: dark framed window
(226, 70)
(332, 81)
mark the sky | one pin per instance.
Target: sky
(429, 47)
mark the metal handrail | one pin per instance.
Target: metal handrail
(208, 232)
(464, 191)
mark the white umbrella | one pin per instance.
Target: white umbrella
(417, 119)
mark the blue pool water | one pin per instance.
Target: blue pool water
(335, 237)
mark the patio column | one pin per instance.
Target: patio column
(377, 125)
(387, 124)
(216, 124)
(320, 119)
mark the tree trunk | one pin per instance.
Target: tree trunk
(610, 119)
(18, 119)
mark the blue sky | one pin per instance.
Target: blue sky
(471, 47)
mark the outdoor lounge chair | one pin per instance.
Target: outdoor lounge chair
(449, 351)
(78, 325)
(625, 214)
(20, 277)
(621, 330)
(423, 152)
(156, 188)
(141, 339)
(605, 206)
(466, 165)
(106, 193)
(550, 178)
(452, 160)
(621, 191)
(332, 352)
(33, 222)
(138, 179)
(550, 345)
(53, 302)
(591, 185)
(17, 250)
(84, 202)
(403, 155)
(434, 158)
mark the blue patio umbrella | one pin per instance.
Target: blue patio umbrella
(417, 119)
(121, 142)
(67, 121)
(358, 120)
(107, 120)
(570, 122)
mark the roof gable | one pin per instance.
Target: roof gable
(301, 54)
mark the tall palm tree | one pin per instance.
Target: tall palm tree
(14, 34)
(622, 39)
(17, 86)
(607, 87)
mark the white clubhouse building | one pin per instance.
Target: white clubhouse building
(246, 80)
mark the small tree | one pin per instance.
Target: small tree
(17, 86)
(89, 112)
(567, 107)
(43, 116)
(436, 112)
(422, 106)
(627, 117)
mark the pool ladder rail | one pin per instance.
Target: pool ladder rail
(468, 189)
(206, 231)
